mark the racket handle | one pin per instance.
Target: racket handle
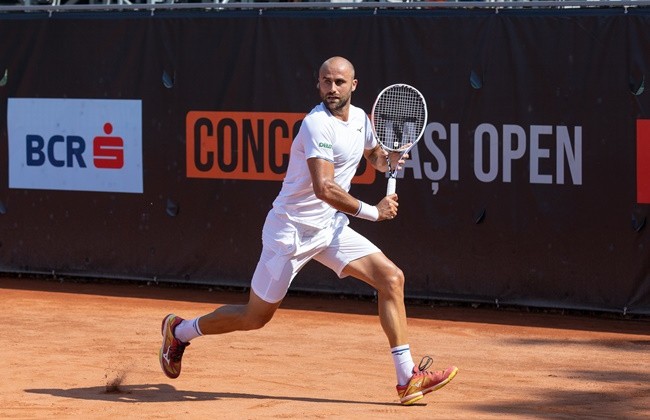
(392, 183)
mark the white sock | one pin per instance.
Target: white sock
(188, 330)
(403, 363)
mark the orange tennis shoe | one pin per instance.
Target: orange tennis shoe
(423, 381)
(171, 351)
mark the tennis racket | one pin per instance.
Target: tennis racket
(399, 116)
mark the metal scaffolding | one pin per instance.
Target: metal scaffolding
(125, 5)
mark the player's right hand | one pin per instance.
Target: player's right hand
(387, 207)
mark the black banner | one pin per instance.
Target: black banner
(150, 146)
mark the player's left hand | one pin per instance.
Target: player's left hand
(396, 159)
(387, 207)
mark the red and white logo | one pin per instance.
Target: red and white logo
(75, 144)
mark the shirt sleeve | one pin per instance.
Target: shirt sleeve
(371, 140)
(318, 140)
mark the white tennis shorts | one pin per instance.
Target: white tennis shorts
(287, 247)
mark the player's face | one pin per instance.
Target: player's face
(335, 85)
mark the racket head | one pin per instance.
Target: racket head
(399, 117)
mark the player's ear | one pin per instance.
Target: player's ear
(354, 84)
(317, 85)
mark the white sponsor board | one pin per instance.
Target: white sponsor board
(75, 144)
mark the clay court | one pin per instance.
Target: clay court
(89, 350)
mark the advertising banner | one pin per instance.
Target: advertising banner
(69, 144)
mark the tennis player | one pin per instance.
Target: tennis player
(309, 220)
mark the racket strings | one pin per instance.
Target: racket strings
(399, 117)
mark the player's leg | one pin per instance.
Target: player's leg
(228, 318)
(352, 254)
(413, 382)
(275, 270)
(388, 280)
(264, 299)
(178, 332)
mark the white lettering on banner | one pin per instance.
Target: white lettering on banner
(511, 152)
(489, 132)
(548, 151)
(75, 144)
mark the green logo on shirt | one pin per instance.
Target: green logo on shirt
(325, 145)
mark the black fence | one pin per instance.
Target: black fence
(146, 145)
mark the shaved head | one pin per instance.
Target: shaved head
(337, 63)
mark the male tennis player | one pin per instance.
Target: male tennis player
(309, 221)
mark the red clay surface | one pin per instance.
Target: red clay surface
(88, 350)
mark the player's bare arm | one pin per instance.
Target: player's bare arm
(378, 158)
(326, 189)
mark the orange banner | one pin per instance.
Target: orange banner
(245, 145)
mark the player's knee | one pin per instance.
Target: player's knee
(257, 321)
(393, 281)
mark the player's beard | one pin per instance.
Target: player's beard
(336, 106)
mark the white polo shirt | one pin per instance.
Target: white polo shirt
(323, 136)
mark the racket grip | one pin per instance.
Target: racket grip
(390, 188)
